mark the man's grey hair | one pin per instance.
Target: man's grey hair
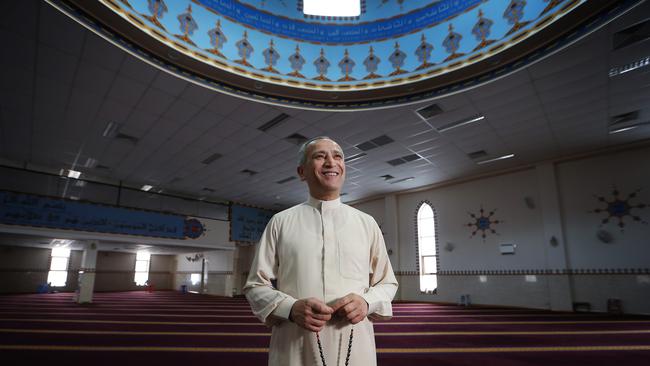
(302, 152)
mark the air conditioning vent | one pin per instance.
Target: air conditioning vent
(273, 122)
(374, 143)
(403, 159)
(631, 35)
(249, 172)
(285, 180)
(429, 111)
(477, 154)
(624, 118)
(132, 139)
(211, 158)
(296, 139)
(402, 180)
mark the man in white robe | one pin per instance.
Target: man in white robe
(331, 268)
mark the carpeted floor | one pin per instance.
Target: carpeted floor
(170, 328)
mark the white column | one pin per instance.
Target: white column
(87, 273)
(390, 228)
(560, 293)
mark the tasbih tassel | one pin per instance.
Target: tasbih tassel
(347, 358)
(320, 348)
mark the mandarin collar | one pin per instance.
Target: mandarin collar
(324, 205)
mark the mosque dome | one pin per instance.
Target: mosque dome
(390, 52)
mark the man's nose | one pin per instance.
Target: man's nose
(329, 160)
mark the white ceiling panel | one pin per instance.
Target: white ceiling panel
(93, 78)
(558, 106)
(171, 85)
(102, 53)
(137, 70)
(69, 36)
(180, 112)
(55, 64)
(127, 91)
(155, 101)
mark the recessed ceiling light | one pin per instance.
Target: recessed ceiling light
(146, 187)
(111, 129)
(354, 157)
(70, 173)
(90, 163)
(615, 71)
(462, 122)
(336, 8)
(496, 159)
(627, 128)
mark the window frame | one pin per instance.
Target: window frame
(56, 256)
(420, 257)
(138, 276)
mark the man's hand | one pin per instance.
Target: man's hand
(351, 306)
(311, 314)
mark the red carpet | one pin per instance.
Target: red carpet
(169, 328)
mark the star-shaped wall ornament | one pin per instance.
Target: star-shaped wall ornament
(618, 208)
(483, 223)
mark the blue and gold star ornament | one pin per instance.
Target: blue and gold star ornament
(483, 223)
(618, 208)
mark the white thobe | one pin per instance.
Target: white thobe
(326, 250)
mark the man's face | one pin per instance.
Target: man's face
(324, 169)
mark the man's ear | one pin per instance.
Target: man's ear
(301, 172)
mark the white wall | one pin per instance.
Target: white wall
(562, 195)
(218, 271)
(580, 183)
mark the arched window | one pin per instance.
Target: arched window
(427, 248)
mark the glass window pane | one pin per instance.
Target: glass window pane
(142, 266)
(195, 278)
(143, 256)
(59, 264)
(428, 264)
(427, 246)
(425, 228)
(141, 278)
(428, 283)
(60, 252)
(57, 278)
(425, 212)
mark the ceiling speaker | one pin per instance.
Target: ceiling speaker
(604, 236)
(530, 203)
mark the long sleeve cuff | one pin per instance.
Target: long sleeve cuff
(283, 310)
(378, 308)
